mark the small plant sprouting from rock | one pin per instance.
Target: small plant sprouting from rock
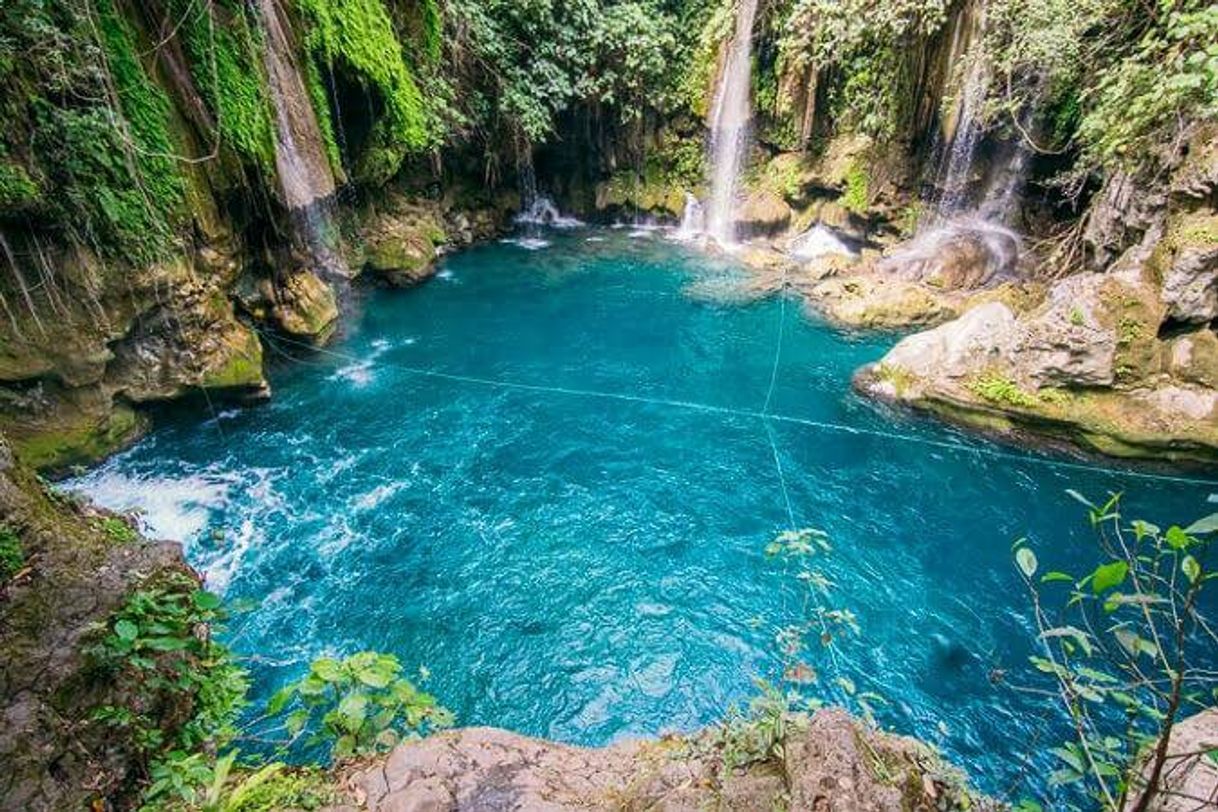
(117, 530)
(999, 389)
(756, 734)
(360, 705)
(12, 556)
(1125, 648)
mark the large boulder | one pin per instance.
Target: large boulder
(981, 336)
(1186, 259)
(965, 255)
(1066, 342)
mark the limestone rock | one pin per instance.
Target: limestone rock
(1187, 258)
(826, 765)
(763, 214)
(1193, 358)
(981, 336)
(1191, 776)
(1065, 341)
(304, 306)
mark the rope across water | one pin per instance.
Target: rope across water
(762, 415)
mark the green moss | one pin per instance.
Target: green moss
(12, 556)
(1001, 390)
(145, 108)
(242, 369)
(900, 378)
(79, 443)
(117, 530)
(17, 189)
(358, 35)
(224, 60)
(857, 197)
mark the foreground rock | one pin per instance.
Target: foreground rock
(77, 567)
(829, 763)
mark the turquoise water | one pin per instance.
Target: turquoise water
(586, 567)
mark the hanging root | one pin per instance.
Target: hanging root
(1060, 254)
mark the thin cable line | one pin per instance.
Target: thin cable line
(708, 408)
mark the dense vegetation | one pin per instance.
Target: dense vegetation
(105, 133)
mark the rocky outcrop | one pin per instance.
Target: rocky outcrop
(79, 565)
(827, 762)
(1086, 366)
(1190, 775)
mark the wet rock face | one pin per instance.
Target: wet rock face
(958, 256)
(826, 765)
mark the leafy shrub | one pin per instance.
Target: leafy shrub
(1127, 650)
(358, 706)
(1001, 390)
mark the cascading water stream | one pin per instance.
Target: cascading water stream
(730, 118)
(963, 131)
(301, 160)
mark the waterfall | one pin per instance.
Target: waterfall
(963, 129)
(730, 118)
(301, 160)
(693, 219)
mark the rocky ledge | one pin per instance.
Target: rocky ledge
(826, 762)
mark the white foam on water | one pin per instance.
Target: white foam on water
(168, 508)
(527, 243)
(543, 212)
(818, 242)
(444, 274)
(594, 239)
(377, 496)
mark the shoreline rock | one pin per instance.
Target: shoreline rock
(827, 761)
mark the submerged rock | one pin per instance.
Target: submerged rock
(826, 762)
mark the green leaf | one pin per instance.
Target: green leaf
(1026, 559)
(295, 721)
(166, 643)
(279, 700)
(1050, 577)
(205, 600)
(1204, 526)
(1176, 538)
(1106, 576)
(328, 669)
(1191, 569)
(126, 630)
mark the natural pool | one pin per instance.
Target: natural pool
(585, 567)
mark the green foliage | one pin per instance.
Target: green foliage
(857, 197)
(1120, 644)
(117, 530)
(862, 46)
(1167, 78)
(144, 122)
(196, 783)
(12, 556)
(999, 389)
(224, 46)
(17, 189)
(359, 705)
(358, 35)
(157, 645)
